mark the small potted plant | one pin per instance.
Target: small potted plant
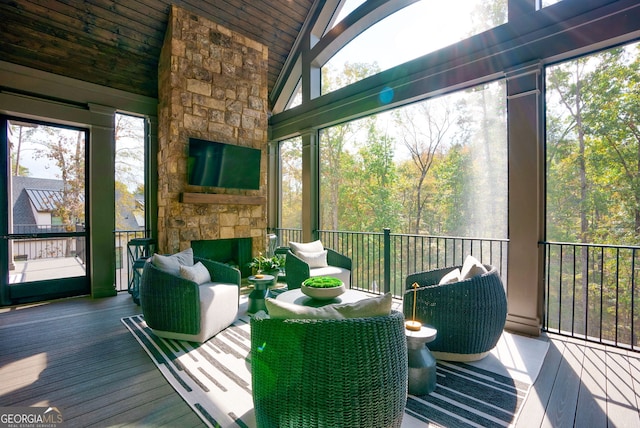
(267, 265)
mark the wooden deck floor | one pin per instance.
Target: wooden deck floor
(75, 354)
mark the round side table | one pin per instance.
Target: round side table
(259, 293)
(422, 364)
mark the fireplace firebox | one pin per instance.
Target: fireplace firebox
(233, 251)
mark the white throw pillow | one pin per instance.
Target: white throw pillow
(451, 277)
(371, 307)
(314, 260)
(308, 247)
(172, 263)
(471, 268)
(197, 273)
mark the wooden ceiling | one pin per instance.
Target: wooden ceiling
(116, 43)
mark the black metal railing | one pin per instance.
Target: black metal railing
(124, 268)
(287, 235)
(591, 292)
(382, 260)
(33, 241)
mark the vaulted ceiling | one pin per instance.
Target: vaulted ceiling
(116, 43)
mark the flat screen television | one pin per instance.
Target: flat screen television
(224, 165)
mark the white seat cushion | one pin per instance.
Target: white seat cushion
(314, 260)
(171, 264)
(218, 309)
(370, 307)
(197, 273)
(341, 273)
(471, 268)
(309, 247)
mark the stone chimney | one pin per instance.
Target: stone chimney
(212, 86)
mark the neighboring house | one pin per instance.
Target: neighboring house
(130, 216)
(34, 203)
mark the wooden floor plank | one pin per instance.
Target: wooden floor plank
(50, 372)
(93, 410)
(622, 409)
(592, 398)
(534, 407)
(634, 363)
(46, 388)
(77, 355)
(159, 413)
(563, 400)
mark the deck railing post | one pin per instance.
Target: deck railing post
(387, 259)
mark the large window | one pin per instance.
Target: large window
(593, 148)
(437, 167)
(545, 3)
(593, 195)
(291, 183)
(129, 174)
(130, 208)
(416, 30)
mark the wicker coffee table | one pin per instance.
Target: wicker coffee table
(297, 297)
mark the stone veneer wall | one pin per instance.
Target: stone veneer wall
(213, 86)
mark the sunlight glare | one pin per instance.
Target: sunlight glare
(30, 367)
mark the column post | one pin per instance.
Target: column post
(310, 185)
(526, 199)
(102, 258)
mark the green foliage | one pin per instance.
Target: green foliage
(322, 282)
(593, 192)
(291, 183)
(378, 172)
(449, 217)
(125, 205)
(593, 148)
(266, 264)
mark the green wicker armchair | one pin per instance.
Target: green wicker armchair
(470, 315)
(297, 270)
(177, 308)
(329, 373)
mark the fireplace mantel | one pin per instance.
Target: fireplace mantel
(216, 198)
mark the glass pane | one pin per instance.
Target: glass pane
(130, 194)
(42, 259)
(416, 30)
(348, 7)
(593, 194)
(546, 3)
(420, 169)
(593, 149)
(47, 195)
(129, 174)
(296, 99)
(291, 183)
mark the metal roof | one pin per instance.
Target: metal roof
(45, 200)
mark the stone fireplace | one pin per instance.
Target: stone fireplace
(212, 86)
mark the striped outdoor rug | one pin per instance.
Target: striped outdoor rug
(215, 380)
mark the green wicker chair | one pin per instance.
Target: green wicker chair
(297, 270)
(329, 373)
(177, 308)
(470, 315)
